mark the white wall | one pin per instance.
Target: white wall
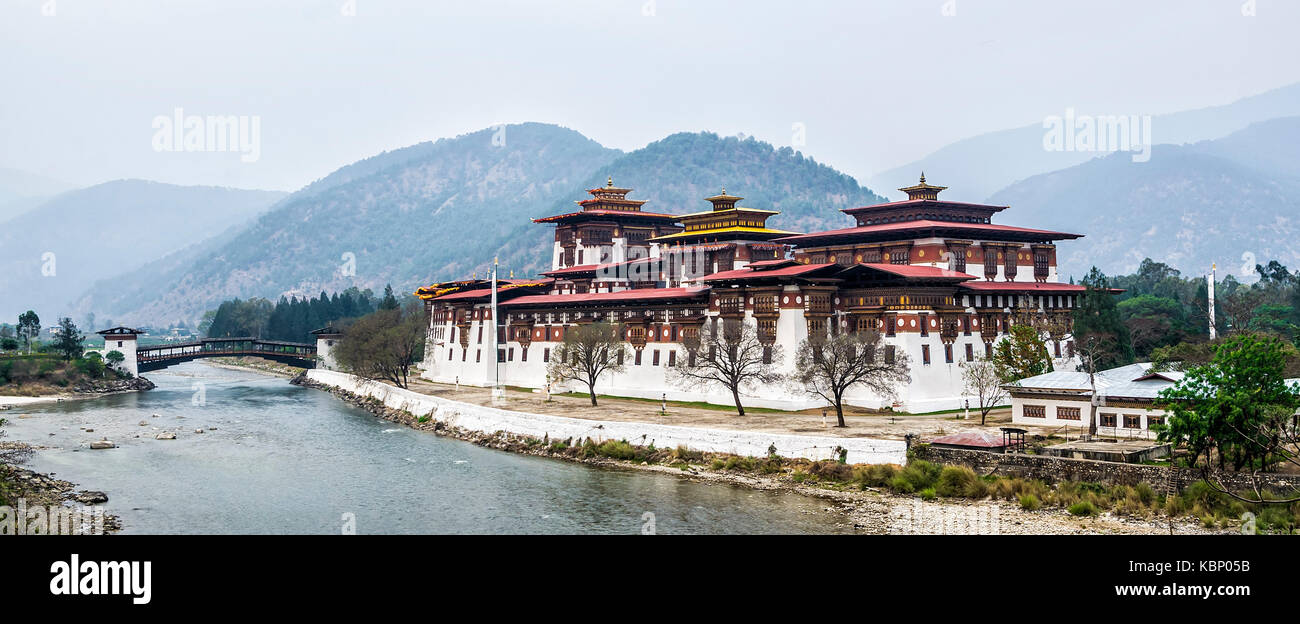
(1050, 420)
(490, 419)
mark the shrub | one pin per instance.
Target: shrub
(956, 481)
(736, 462)
(920, 474)
(1029, 502)
(928, 494)
(1145, 493)
(831, 470)
(901, 485)
(1083, 508)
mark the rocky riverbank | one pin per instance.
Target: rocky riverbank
(81, 390)
(867, 510)
(43, 490)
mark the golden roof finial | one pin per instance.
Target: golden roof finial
(610, 182)
(922, 177)
(724, 189)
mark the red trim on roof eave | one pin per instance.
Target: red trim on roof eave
(1022, 286)
(639, 294)
(744, 273)
(603, 213)
(914, 270)
(926, 224)
(909, 202)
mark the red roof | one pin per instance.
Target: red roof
(603, 213)
(581, 268)
(771, 263)
(977, 439)
(467, 294)
(939, 203)
(918, 270)
(1023, 287)
(636, 294)
(790, 271)
(926, 224)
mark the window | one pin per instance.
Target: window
(925, 354)
(637, 360)
(1132, 421)
(654, 361)
(546, 354)
(501, 355)
(1035, 411)
(672, 358)
(1107, 420)
(988, 350)
(619, 357)
(925, 325)
(1067, 413)
(510, 355)
(1155, 420)
(450, 353)
(480, 335)
(947, 353)
(767, 356)
(970, 352)
(478, 356)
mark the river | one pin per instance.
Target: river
(281, 459)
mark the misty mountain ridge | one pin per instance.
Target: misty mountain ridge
(967, 164)
(55, 251)
(444, 209)
(1234, 202)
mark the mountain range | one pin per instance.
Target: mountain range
(444, 209)
(1233, 201)
(52, 253)
(983, 165)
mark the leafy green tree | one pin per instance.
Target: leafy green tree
(1020, 354)
(29, 327)
(384, 345)
(69, 342)
(1153, 322)
(1097, 321)
(1237, 410)
(115, 358)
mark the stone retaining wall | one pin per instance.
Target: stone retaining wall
(490, 420)
(1053, 469)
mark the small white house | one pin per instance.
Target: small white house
(1125, 400)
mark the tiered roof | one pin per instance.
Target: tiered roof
(726, 221)
(609, 201)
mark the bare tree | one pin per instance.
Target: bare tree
(588, 351)
(982, 380)
(384, 344)
(827, 367)
(729, 354)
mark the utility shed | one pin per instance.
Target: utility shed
(976, 440)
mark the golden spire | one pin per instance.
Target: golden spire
(610, 182)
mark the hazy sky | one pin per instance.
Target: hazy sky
(876, 83)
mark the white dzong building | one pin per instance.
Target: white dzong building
(938, 279)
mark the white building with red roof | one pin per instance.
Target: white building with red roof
(938, 279)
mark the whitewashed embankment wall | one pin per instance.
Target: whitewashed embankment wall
(490, 420)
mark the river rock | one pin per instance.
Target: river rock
(24, 415)
(88, 429)
(102, 444)
(198, 431)
(166, 435)
(90, 497)
(144, 423)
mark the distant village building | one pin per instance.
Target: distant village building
(938, 279)
(1125, 400)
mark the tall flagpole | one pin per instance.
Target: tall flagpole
(1210, 290)
(497, 391)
